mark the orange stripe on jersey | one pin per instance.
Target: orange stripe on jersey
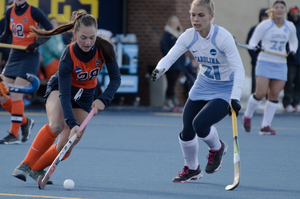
(84, 74)
(20, 27)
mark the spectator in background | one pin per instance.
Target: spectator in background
(262, 16)
(173, 30)
(51, 52)
(291, 98)
(191, 72)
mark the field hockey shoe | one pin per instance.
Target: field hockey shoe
(289, 109)
(247, 124)
(10, 139)
(186, 175)
(35, 174)
(26, 129)
(21, 171)
(215, 158)
(267, 130)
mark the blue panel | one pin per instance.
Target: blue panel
(129, 83)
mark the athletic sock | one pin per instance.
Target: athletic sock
(212, 139)
(190, 152)
(42, 142)
(251, 106)
(47, 158)
(8, 107)
(269, 113)
(17, 111)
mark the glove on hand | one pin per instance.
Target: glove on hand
(3, 88)
(235, 105)
(157, 73)
(31, 48)
(257, 49)
(291, 55)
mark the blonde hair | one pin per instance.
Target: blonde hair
(270, 13)
(207, 3)
(175, 18)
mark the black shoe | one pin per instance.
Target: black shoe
(10, 139)
(35, 174)
(215, 158)
(186, 175)
(26, 129)
(21, 171)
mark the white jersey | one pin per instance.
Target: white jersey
(274, 38)
(221, 72)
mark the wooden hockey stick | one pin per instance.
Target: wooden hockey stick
(34, 80)
(43, 181)
(266, 51)
(236, 155)
(3, 45)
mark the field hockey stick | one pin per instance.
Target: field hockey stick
(236, 155)
(43, 181)
(266, 51)
(35, 84)
(3, 45)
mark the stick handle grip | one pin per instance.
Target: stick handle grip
(87, 119)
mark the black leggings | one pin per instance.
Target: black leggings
(199, 116)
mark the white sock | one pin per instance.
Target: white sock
(190, 152)
(269, 113)
(251, 106)
(212, 139)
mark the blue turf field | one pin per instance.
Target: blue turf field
(135, 154)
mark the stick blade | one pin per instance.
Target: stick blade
(43, 181)
(39, 182)
(237, 175)
(232, 186)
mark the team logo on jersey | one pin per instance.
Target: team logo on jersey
(11, 19)
(213, 52)
(98, 62)
(25, 19)
(78, 69)
(285, 30)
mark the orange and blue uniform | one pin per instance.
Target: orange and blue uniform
(20, 27)
(18, 20)
(77, 78)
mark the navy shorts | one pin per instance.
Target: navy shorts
(85, 101)
(21, 62)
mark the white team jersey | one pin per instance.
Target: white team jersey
(221, 72)
(274, 38)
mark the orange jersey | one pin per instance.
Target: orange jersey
(20, 27)
(84, 74)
